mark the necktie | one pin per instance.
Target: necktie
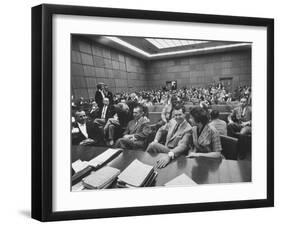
(171, 112)
(175, 129)
(243, 112)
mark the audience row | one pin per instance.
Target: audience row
(126, 125)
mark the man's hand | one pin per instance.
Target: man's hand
(245, 124)
(75, 130)
(163, 161)
(128, 136)
(154, 142)
(87, 141)
(133, 138)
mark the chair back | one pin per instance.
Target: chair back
(229, 147)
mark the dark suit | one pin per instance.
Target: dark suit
(109, 112)
(131, 104)
(78, 136)
(93, 114)
(139, 129)
(99, 98)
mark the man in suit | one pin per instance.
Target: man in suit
(132, 103)
(136, 131)
(178, 134)
(99, 95)
(240, 119)
(82, 132)
(108, 94)
(104, 113)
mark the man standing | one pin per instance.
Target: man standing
(108, 94)
(240, 119)
(104, 113)
(136, 131)
(99, 95)
(178, 133)
(82, 131)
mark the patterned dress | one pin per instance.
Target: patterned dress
(207, 141)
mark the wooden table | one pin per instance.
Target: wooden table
(201, 170)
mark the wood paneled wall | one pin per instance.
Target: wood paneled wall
(92, 63)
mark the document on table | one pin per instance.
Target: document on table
(181, 180)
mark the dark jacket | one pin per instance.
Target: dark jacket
(78, 136)
(139, 129)
(109, 112)
(109, 95)
(99, 99)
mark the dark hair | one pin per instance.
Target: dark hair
(99, 86)
(78, 111)
(199, 115)
(180, 106)
(174, 97)
(140, 106)
(215, 114)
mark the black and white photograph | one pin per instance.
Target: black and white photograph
(159, 112)
(143, 112)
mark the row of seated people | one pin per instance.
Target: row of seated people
(200, 140)
(238, 121)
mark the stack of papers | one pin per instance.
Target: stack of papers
(181, 180)
(79, 165)
(78, 187)
(137, 174)
(104, 157)
(101, 178)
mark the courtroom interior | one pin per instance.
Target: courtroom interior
(149, 111)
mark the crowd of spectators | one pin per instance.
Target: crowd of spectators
(213, 94)
(122, 120)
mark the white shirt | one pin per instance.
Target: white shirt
(103, 113)
(83, 129)
(103, 96)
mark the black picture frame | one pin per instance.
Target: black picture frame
(42, 107)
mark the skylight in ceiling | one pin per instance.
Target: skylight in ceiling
(168, 43)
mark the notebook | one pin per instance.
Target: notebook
(101, 178)
(181, 180)
(104, 157)
(136, 174)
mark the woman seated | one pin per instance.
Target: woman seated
(205, 140)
